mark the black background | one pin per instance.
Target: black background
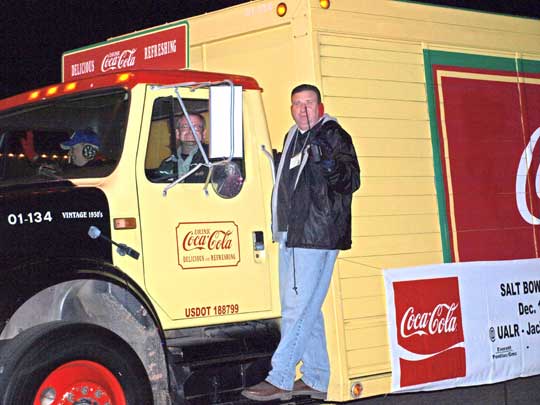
(34, 33)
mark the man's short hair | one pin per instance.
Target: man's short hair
(307, 87)
(200, 116)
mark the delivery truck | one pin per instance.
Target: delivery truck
(121, 284)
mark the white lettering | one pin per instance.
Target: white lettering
(436, 322)
(82, 68)
(521, 180)
(161, 49)
(118, 60)
(74, 214)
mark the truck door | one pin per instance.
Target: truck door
(199, 256)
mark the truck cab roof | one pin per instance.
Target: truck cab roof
(126, 80)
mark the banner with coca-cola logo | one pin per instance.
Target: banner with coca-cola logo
(164, 48)
(437, 315)
(463, 323)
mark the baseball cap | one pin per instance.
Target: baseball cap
(81, 136)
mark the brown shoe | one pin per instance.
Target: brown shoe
(264, 391)
(301, 388)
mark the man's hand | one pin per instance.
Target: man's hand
(328, 165)
(321, 153)
(329, 171)
(320, 150)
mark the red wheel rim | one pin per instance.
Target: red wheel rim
(79, 382)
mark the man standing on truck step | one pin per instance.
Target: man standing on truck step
(311, 219)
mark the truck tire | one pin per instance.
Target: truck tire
(84, 362)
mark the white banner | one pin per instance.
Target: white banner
(463, 323)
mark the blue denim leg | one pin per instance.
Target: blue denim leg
(302, 325)
(316, 368)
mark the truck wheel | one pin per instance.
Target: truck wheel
(73, 362)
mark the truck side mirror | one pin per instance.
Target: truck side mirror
(226, 126)
(227, 179)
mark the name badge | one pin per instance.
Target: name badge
(295, 161)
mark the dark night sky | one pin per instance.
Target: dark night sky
(34, 33)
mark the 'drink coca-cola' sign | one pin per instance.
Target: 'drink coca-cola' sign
(207, 244)
(162, 48)
(430, 334)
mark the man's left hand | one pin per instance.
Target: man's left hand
(329, 171)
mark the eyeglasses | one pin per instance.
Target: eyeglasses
(197, 127)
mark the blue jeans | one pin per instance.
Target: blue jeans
(302, 325)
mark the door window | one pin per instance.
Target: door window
(173, 152)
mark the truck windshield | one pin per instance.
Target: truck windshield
(80, 136)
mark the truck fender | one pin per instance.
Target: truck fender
(105, 303)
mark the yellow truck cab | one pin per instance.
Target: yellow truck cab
(126, 283)
(188, 254)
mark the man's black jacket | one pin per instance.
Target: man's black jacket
(319, 211)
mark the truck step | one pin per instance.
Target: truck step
(213, 365)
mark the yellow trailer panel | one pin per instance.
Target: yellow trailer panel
(370, 60)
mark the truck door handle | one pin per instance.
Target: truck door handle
(258, 241)
(272, 164)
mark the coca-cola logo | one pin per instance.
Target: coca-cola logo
(207, 244)
(216, 240)
(429, 330)
(118, 60)
(440, 320)
(490, 163)
(522, 179)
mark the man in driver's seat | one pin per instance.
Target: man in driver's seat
(187, 154)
